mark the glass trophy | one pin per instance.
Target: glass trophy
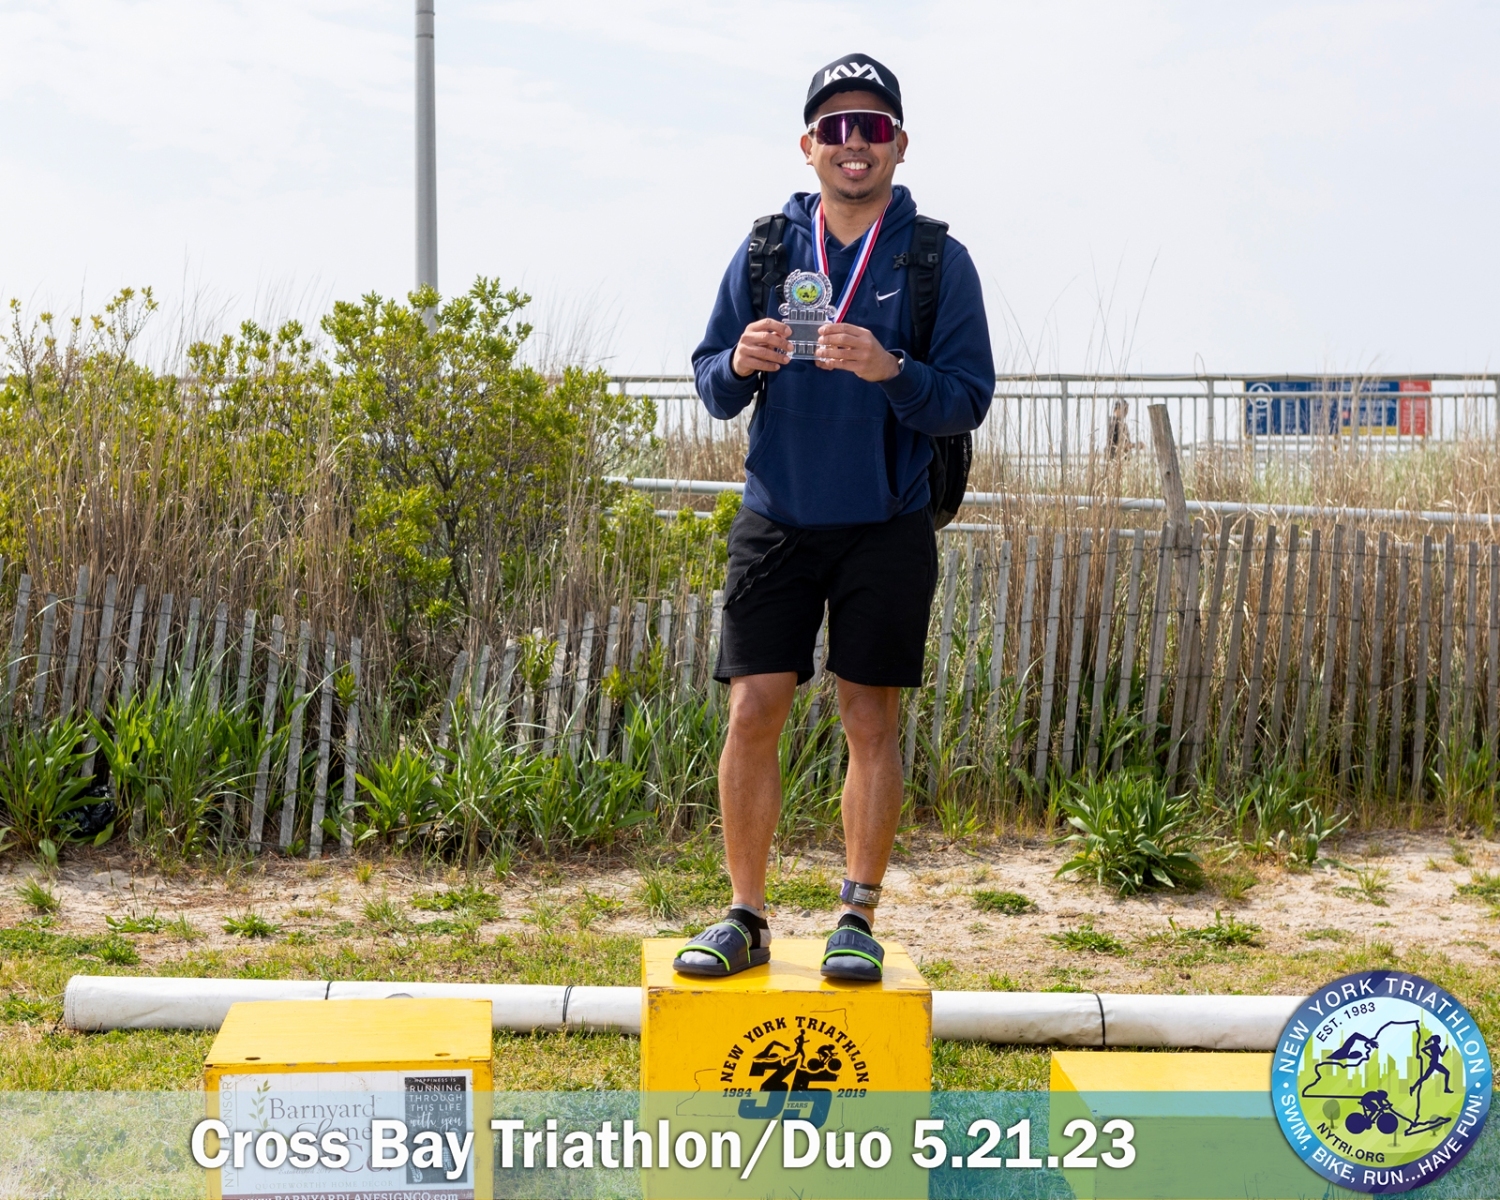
(809, 306)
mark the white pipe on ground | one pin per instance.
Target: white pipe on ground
(99, 1002)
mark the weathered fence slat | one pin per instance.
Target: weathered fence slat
(351, 752)
(325, 747)
(292, 780)
(77, 618)
(45, 643)
(1210, 650)
(1049, 660)
(581, 685)
(552, 715)
(216, 654)
(1101, 645)
(507, 677)
(1351, 660)
(480, 679)
(945, 648)
(1304, 658)
(1156, 645)
(133, 645)
(1330, 641)
(1445, 649)
(1492, 738)
(17, 645)
(715, 634)
(1471, 644)
(998, 626)
(1230, 685)
(1023, 646)
(455, 685)
(104, 654)
(189, 650)
(163, 637)
(820, 655)
(1377, 662)
(1075, 650)
(606, 700)
(1420, 673)
(1187, 650)
(1127, 641)
(1398, 668)
(637, 634)
(664, 637)
(247, 653)
(689, 653)
(971, 653)
(267, 728)
(1288, 612)
(1258, 652)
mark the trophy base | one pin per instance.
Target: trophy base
(804, 338)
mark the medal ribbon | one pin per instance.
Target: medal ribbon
(857, 272)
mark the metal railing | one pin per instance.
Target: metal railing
(1043, 422)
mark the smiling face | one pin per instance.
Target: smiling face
(859, 169)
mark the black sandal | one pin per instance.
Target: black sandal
(731, 943)
(853, 954)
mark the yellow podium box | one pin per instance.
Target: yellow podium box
(393, 1071)
(784, 1026)
(798, 1070)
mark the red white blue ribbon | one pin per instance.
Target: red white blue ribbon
(857, 272)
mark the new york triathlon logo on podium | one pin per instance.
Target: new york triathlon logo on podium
(1381, 1082)
(791, 1066)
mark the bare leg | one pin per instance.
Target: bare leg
(873, 787)
(750, 778)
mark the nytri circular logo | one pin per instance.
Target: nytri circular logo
(1381, 1081)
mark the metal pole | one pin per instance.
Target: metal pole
(427, 261)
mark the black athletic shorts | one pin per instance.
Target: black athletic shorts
(877, 581)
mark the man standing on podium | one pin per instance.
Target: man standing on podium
(882, 358)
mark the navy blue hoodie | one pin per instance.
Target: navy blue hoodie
(827, 448)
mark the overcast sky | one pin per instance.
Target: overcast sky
(1144, 186)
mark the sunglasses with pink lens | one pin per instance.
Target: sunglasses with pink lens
(837, 128)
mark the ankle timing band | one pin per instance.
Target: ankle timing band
(861, 895)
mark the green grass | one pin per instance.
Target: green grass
(1483, 884)
(38, 897)
(1087, 938)
(37, 963)
(807, 890)
(1012, 904)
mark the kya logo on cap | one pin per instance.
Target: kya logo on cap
(853, 69)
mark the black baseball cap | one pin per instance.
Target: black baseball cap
(852, 73)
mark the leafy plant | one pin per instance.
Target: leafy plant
(1223, 933)
(1128, 833)
(470, 898)
(385, 915)
(40, 783)
(116, 951)
(1012, 904)
(1485, 885)
(1087, 938)
(401, 794)
(251, 924)
(134, 923)
(591, 907)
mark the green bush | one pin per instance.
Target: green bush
(1128, 833)
(41, 789)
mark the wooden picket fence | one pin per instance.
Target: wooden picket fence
(1353, 652)
(1340, 650)
(114, 652)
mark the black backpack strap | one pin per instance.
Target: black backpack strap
(768, 267)
(924, 278)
